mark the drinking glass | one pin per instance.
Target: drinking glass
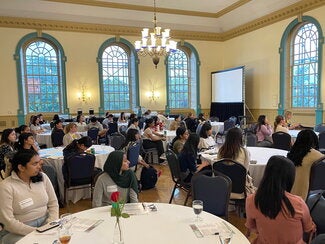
(225, 236)
(198, 208)
(64, 234)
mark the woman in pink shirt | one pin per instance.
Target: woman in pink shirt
(263, 132)
(272, 212)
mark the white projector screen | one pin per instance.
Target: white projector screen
(228, 85)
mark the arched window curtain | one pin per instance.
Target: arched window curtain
(183, 79)
(300, 70)
(118, 76)
(41, 76)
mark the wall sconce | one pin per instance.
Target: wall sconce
(153, 95)
(84, 95)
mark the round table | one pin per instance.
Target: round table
(259, 158)
(169, 224)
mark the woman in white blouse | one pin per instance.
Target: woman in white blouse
(279, 124)
(206, 139)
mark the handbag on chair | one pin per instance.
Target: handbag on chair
(316, 205)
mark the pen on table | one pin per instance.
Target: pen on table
(144, 206)
(216, 233)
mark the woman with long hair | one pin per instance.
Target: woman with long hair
(279, 124)
(77, 146)
(35, 126)
(303, 154)
(263, 132)
(233, 148)
(8, 139)
(116, 177)
(188, 158)
(27, 198)
(276, 215)
(26, 141)
(176, 122)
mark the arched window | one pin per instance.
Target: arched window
(300, 70)
(41, 75)
(183, 79)
(118, 72)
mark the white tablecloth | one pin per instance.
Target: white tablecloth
(45, 138)
(54, 157)
(170, 224)
(259, 154)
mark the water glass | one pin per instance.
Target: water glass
(64, 234)
(197, 208)
(65, 220)
(225, 236)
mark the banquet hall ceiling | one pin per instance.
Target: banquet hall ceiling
(189, 19)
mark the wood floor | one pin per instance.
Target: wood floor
(161, 193)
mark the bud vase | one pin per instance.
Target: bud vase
(118, 232)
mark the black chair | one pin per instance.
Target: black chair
(320, 128)
(123, 129)
(57, 138)
(227, 125)
(214, 191)
(251, 139)
(133, 153)
(281, 140)
(317, 173)
(93, 134)
(150, 155)
(321, 142)
(80, 173)
(112, 128)
(117, 140)
(49, 170)
(237, 173)
(175, 171)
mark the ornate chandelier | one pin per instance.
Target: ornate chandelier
(156, 44)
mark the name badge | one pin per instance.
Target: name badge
(111, 188)
(26, 203)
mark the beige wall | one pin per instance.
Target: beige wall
(257, 50)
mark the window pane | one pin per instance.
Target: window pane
(116, 83)
(304, 56)
(41, 78)
(178, 88)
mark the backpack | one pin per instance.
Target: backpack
(148, 178)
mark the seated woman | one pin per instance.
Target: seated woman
(122, 118)
(188, 158)
(134, 124)
(176, 123)
(116, 177)
(280, 125)
(180, 139)
(26, 141)
(276, 215)
(26, 129)
(201, 118)
(27, 198)
(233, 148)
(132, 137)
(71, 134)
(206, 140)
(77, 146)
(35, 126)
(81, 124)
(8, 139)
(57, 134)
(288, 121)
(153, 139)
(303, 154)
(263, 132)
